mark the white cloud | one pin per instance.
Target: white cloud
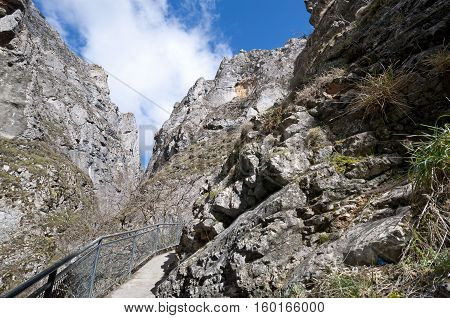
(143, 44)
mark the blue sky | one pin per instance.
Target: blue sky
(257, 24)
(263, 24)
(161, 47)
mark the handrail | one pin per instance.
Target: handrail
(38, 277)
(78, 263)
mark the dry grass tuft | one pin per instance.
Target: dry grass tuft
(380, 95)
(352, 283)
(272, 119)
(439, 62)
(420, 274)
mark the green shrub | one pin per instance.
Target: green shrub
(213, 194)
(324, 237)
(430, 159)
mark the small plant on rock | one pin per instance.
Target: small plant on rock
(381, 95)
(343, 164)
(297, 291)
(272, 119)
(439, 61)
(212, 195)
(430, 159)
(324, 237)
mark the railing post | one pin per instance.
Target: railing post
(94, 270)
(179, 232)
(51, 281)
(133, 251)
(158, 238)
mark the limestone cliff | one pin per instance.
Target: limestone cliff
(198, 140)
(68, 158)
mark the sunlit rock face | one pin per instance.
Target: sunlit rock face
(200, 135)
(68, 158)
(314, 182)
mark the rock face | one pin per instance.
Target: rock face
(203, 132)
(312, 181)
(68, 158)
(48, 93)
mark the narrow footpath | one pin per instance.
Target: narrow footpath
(143, 282)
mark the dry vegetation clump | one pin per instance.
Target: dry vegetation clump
(272, 119)
(316, 138)
(379, 96)
(352, 283)
(420, 274)
(315, 89)
(439, 61)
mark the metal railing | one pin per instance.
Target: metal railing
(99, 267)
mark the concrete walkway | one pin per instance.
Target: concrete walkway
(143, 282)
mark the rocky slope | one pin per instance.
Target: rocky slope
(285, 190)
(68, 158)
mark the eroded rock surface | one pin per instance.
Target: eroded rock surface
(202, 134)
(315, 183)
(68, 158)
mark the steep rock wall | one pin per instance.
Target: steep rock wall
(68, 158)
(318, 182)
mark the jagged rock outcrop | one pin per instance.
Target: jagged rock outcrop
(203, 130)
(68, 159)
(317, 181)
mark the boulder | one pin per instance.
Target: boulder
(250, 258)
(284, 164)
